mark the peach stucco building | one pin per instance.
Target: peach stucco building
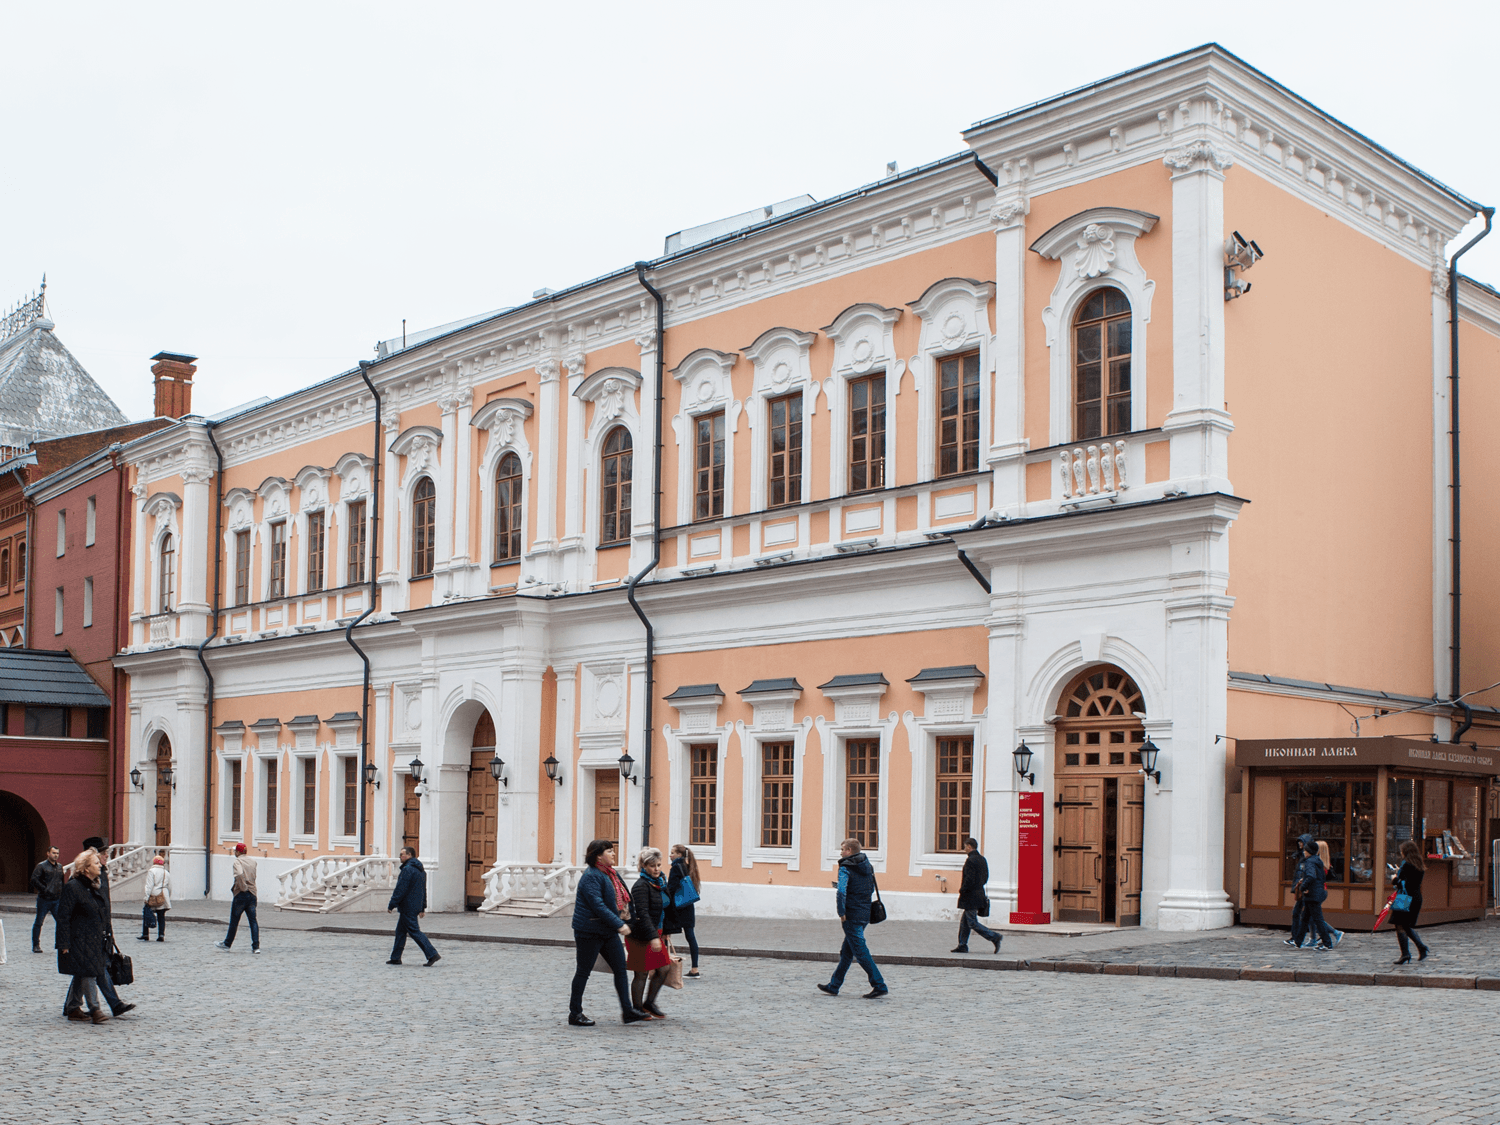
(995, 451)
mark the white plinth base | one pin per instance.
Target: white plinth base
(1194, 910)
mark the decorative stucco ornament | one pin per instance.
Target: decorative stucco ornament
(1096, 250)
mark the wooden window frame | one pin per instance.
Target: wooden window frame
(709, 466)
(958, 414)
(784, 466)
(272, 766)
(276, 580)
(867, 453)
(615, 494)
(862, 792)
(1110, 404)
(351, 781)
(236, 795)
(509, 488)
(778, 807)
(166, 565)
(423, 528)
(703, 789)
(317, 545)
(955, 787)
(242, 567)
(309, 796)
(357, 531)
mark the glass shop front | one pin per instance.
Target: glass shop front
(1364, 797)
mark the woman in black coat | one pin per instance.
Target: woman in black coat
(644, 946)
(82, 928)
(1409, 881)
(683, 919)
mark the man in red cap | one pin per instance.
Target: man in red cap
(244, 901)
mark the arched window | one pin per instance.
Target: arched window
(508, 508)
(614, 492)
(167, 572)
(1101, 366)
(423, 527)
(5, 567)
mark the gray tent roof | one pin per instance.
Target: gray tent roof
(45, 392)
(47, 679)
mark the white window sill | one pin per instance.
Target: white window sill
(304, 841)
(786, 856)
(712, 854)
(942, 861)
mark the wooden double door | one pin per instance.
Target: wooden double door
(163, 810)
(484, 805)
(1098, 850)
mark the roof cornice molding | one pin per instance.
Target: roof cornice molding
(1210, 95)
(1478, 305)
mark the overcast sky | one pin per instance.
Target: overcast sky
(273, 187)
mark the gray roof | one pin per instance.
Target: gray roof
(45, 392)
(858, 679)
(47, 679)
(952, 672)
(787, 683)
(696, 691)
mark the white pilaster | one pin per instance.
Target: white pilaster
(463, 474)
(549, 374)
(1008, 443)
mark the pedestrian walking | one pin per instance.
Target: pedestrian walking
(645, 949)
(1404, 911)
(972, 900)
(158, 900)
(410, 898)
(47, 881)
(855, 886)
(83, 942)
(243, 902)
(599, 910)
(1308, 883)
(684, 888)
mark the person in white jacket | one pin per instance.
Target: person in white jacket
(158, 900)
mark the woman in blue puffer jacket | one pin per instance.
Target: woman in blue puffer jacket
(598, 926)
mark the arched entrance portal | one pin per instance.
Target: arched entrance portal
(163, 793)
(1101, 797)
(23, 842)
(484, 801)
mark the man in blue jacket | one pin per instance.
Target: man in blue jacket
(410, 897)
(856, 885)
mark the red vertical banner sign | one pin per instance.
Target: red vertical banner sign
(1030, 841)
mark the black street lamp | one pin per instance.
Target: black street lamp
(135, 779)
(627, 766)
(497, 770)
(1149, 751)
(371, 775)
(166, 776)
(550, 764)
(1023, 762)
(414, 767)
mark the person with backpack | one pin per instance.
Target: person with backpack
(856, 885)
(1408, 901)
(684, 888)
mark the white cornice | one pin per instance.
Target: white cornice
(1478, 305)
(1208, 94)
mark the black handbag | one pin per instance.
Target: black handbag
(877, 908)
(984, 907)
(120, 969)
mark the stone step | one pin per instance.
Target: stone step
(529, 908)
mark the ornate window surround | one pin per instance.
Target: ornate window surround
(706, 389)
(306, 749)
(948, 711)
(345, 748)
(503, 420)
(421, 448)
(1096, 250)
(355, 472)
(697, 722)
(771, 721)
(864, 342)
(276, 504)
(955, 320)
(856, 714)
(233, 750)
(312, 496)
(239, 503)
(268, 757)
(614, 393)
(165, 508)
(782, 367)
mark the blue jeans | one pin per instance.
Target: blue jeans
(244, 903)
(407, 924)
(44, 907)
(1312, 919)
(855, 949)
(970, 921)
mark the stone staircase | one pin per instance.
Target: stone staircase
(335, 882)
(530, 890)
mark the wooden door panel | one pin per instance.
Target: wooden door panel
(411, 816)
(1131, 837)
(607, 806)
(1079, 848)
(163, 811)
(484, 803)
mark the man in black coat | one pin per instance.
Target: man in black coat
(972, 901)
(410, 898)
(47, 882)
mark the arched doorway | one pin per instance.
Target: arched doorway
(23, 842)
(163, 822)
(1101, 795)
(484, 802)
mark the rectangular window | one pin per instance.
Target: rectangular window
(90, 522)
(315, 542)
(278, 561)
(309, 796)
(98, 722)
(862, 792)
(958, 414)
(776, 795)
(354, 573)
(786, 450)
(235, 778)
(58, 612)
(269, 766)
(62, 532)
(88, 603)
(242, 568)
(703, 828)
(867, 433)
(351, 796)
(47, 722)
(955, 770)
(708, 465)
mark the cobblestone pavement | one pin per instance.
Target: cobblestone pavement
(318, 1030)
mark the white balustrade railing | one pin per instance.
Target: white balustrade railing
(1092, 470)
(161, 628)
(551, 883)
(125, 861)
(368, 873)
(310, 876)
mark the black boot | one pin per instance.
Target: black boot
(1405, 951)
(650, 1004)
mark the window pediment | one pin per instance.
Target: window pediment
(1092, 238)
(611, 391)
(312, 482)
(354, 471)
(862, 339)
(781, 361)
(704, 376)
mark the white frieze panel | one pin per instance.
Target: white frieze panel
(777, 534)
(704, 546)
(954, 504)
(863, 519)
(604, 687)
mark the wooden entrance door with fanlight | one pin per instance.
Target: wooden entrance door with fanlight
(163, 793)
(484, 803)
(1101, 799)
